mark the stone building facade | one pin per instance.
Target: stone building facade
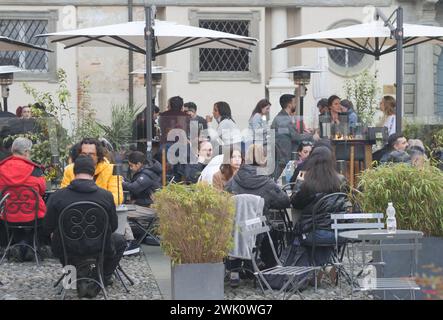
(205, 76)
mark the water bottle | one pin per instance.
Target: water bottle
(289, 171)
(391, 222)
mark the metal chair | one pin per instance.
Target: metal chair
(18, 203)
(352, 221)
(250, 229)
(84, 221)
(382, 242)
(2, 208)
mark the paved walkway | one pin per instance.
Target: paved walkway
(160, 267)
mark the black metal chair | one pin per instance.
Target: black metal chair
(2, 208)
(18, 202)
(84, 221)
(321, 208)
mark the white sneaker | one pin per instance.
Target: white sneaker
(132, 248)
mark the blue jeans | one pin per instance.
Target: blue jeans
(322, 237)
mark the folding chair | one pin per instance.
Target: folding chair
(84, 221)
(250, 229)
(382, 242)
(18, 202)
(352, 221)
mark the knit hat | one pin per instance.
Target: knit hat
(84, 164)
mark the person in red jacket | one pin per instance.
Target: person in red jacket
(18, 170)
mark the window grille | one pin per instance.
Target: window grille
(25, 30)
(230, 60)
(345, 58)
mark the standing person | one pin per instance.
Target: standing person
(387, 106)
(228, 169)
(334, 108)
(348, 107)
(258, 121)
(324, 118)
(228, 132)
(84, 188)
(26, 112)
(146, 179)
(191, 109)
(287, 138)
(178, 120)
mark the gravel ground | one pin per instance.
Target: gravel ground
(26, 281)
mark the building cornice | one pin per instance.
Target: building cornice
(206, 3)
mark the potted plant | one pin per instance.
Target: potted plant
(417, 195)
(195, 225)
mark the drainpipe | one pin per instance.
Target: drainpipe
(130, 61)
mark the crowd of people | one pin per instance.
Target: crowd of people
(241, 168)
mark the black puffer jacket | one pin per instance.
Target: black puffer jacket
(247, 181)
(144, 183)
(306, 201)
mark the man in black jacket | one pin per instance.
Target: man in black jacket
(145, 181)
(83, 188)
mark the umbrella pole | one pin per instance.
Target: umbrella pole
(399, 70)
(149, 34)
(397, 32)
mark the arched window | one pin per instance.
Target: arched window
(344, 62)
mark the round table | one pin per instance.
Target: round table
(354, 234)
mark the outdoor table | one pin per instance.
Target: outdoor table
(138, 214)
(378, 234)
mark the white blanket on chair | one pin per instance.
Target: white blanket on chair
(248, 207)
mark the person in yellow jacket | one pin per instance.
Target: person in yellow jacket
(103, 175)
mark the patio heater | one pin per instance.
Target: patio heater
(157, 76)
(302, 77)
(6, 79)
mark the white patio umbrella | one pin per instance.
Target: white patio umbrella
(376, 38)
(152, 38)
(8, 44)
(372, 38)
(169, 37)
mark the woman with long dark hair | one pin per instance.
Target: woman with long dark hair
(258, 121)
(231, 164)
(227, 130)
(319, 180)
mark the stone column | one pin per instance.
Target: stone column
(280, 83)
(425, 97)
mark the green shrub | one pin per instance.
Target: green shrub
(196, 222)
(417, 195)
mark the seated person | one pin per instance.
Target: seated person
(249, 181)
(319, 179)
(396, 142)
(228, 169)
(191, 172)
(146, 179)
(18, 170)
(84, 188)
(103, 177)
